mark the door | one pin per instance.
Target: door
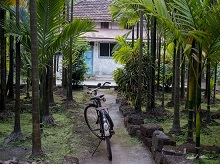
(89, 60)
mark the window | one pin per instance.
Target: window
(106, 49)
(104, 25)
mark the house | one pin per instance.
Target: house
(99, 57)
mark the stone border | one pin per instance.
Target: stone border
(162, 146)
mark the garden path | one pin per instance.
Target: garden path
(125, 150)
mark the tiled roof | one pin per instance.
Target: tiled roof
(94, 9)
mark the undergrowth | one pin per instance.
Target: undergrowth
(58, 140)
(209, 134)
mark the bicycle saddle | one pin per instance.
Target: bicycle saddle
(97, 97)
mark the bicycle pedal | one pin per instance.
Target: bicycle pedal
(112, 132)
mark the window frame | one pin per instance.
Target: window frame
(109, 49)
(105, 25)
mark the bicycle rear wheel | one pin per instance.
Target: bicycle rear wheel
(109, 149)
(92, 120)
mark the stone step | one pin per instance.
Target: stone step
(104, 77)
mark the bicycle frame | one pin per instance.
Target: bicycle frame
(105, 129)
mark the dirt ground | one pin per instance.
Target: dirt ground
(125, 149)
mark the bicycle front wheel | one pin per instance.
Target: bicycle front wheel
(92, 120)
(109, 149)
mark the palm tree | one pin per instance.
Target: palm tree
(183, 66)
(3, 62)
(140, 65)
(211, 47)
(17, 126)
(36, 138)
(189, 25)
(153, 60)
(10, 83)
(50, 38)
(176, 119)
(70, 90)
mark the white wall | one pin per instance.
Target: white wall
(103, 66)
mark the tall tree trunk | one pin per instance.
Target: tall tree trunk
(140, 69)
(17, 126)
(182, 92)
(208, 90)
(64, 76)
(51, 83)
(36, 137)
(198, 103)
(163, 76)
(191, 95)
(28, 83)
(215, 79)
(171, 103)
(153, 52)
(140, 66)
(207, 78)
(64, 70)
(70, 72)
(3, 63)
(10, 83)
(176, 120)
(47, 117)
(187, 88)
(148, 54)
(54, 68)
(158, 65)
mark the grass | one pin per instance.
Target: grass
(57, 141)
(209, 135)
(69, 135)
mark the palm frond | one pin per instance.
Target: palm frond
(76, 28)
(49, 22)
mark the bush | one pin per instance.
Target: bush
(79, 70)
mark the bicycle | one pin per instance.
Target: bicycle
(98, 119)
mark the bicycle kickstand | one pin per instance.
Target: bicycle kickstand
(97, 147)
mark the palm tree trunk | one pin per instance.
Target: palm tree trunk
(17, 126)
(3, 63)
(163, 76)
(64, 76)
(64, 70)
(36, 137)
(55, 69)
(28, 83)
(173, 77)
(191, 95)
(158, 65)
(198, 104)
(10, 83)
(139, 96)
(176, 120)
(153, 52)
(70, 90)
(51, 83)
(148, 53)
(215, 79)
(208, 91)
(187, 92)
(182, 92)
(47, 117)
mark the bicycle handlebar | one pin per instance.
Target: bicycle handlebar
(99, 86)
